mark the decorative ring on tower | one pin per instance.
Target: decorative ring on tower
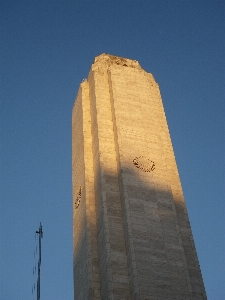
(143, 163)
(77, 202)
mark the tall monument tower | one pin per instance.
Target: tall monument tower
(132, 236)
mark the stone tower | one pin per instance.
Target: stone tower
(132, 236)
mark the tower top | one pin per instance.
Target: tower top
(109, 59)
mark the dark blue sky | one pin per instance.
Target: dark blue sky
(47, 48)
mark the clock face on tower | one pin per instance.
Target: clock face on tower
(143, 163)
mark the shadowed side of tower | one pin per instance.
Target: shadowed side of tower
(132, 237)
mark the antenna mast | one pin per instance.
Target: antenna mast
(40, 232)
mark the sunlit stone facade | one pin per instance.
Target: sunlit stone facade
(132, 236)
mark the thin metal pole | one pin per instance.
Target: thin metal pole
(40, 232)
